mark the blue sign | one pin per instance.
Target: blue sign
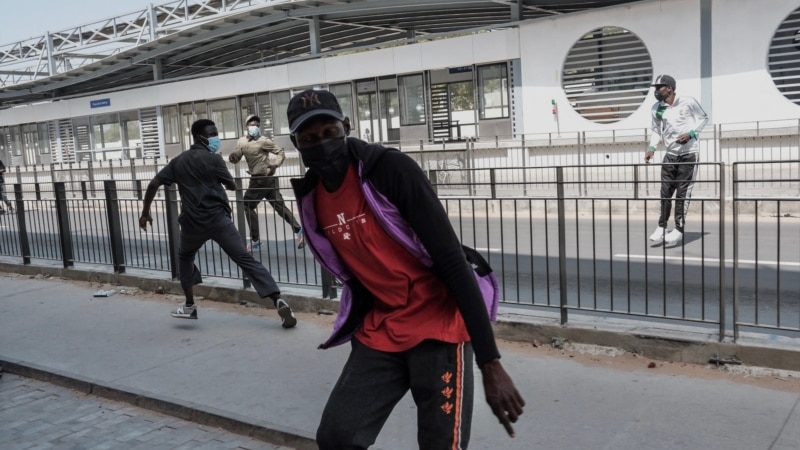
(100, 103)
(461, 69)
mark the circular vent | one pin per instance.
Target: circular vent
(784, 57)
(607, 74)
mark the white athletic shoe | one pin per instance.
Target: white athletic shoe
(673, 237)
(658, 235)
(185, 312)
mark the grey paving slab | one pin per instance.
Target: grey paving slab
(247, 367)
(96, 423)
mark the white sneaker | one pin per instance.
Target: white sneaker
(185, 312)
(658, 235)
(673, 237)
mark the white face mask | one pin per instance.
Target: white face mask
(254, 130)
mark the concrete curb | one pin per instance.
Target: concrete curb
(234, 423)
(659, 347)
(212, 292)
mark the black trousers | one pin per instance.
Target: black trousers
(262, 187)
(225, 234)
(677, 178)
(439, 376)
(3, 195)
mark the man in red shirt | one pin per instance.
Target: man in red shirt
(410, 305)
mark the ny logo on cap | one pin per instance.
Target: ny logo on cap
(310, 99)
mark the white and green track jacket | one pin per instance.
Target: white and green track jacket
(685, 115)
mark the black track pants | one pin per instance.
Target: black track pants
(677, 178)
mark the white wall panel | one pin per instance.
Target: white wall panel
(448, 53)
(337, 69)
(249, 81)
(372, 64)
(743, 88)
(498, 45)
(408, 59)
(278, 78)
(181, 92)
(307, 73)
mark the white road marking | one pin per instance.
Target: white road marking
(487, 249)
(715, 260)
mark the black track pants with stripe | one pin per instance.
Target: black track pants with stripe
(439, 376)
(677, 178)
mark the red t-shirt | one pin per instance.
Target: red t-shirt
(412, 304)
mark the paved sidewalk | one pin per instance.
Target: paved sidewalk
(244, 372)
(36, 414)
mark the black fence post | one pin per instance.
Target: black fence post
(173, 231)
(137, 186)
(328, 286)
(434, 178)
(114, 225)
(64, 231)
(84, 195)
(562, 244)
(22, 226)
(91, 177)
(722, 270)
(493, 183)
(241, 219)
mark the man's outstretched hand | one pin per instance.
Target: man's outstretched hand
(501, 395)
(144, 219)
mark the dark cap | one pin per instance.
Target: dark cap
(311, 103)
(665, 80)
(251, 118)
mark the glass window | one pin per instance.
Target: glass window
(44, 138)
(280, 101)
(200, 110)
(412, 99)
(223, 114)
(106, 131)
(493, 91)
(4, 155)
(247, 106)
(344, 94)
(187, 119)
(172, 125)
(461, 96)
(265, 113)
(13, 142)
(131, 134)
(30, 141)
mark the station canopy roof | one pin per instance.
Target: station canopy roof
(192, 38)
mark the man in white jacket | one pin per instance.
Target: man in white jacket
(677, 121)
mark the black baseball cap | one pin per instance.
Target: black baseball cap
(311, 103)
(251, 118)
(665, 80)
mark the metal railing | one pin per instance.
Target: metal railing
(565, 238)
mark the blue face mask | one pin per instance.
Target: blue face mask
(213, 144)
(254, 131)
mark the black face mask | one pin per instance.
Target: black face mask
(329, 160)
(658, 95)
